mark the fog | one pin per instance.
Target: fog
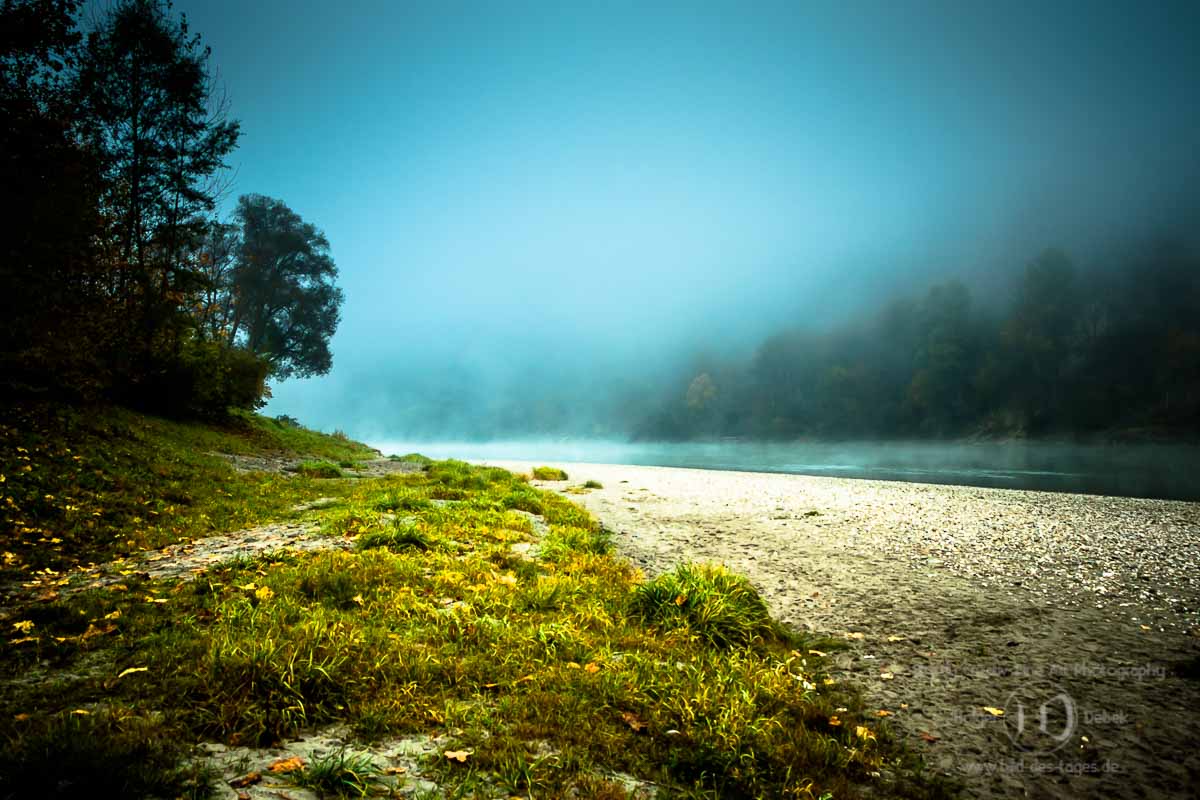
(550, 219)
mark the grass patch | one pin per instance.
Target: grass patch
(549, 474)
(709, 602)
(340, 774)
(552, 670)
(107, 754)
(412, 458)
(318, 469)
(593, 484)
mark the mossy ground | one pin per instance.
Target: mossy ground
(551, 668)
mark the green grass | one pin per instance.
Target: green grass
(549, 474)
(340, 774)
(552, 671)
(318, 469)
(593, 484)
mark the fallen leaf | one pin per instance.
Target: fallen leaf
(883, 712)
(264, 593)
(358, 598)
(816, 653)
(460, 756)
(897, 638)
(114, 615)
(287, 764)
(132, 670)
(854, 635)
(834, 721)
(394, 770)
(592, 667)
(24, 626)
(81, 712)
(92, 630)
(680, 600)
(246, 780)
(863, 732)
(632, 721)
(886, 676)
(995, 712)
(929, 737)
(573, 665)
(20, 717)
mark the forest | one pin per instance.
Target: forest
(118, 279)
(1109, 349)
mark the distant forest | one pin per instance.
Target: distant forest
(1112, 350)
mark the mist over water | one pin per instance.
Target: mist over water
(1161, 471)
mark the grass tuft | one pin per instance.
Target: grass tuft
(319, 469)
(340, 774)
(708, 601)
(549, 474)
(593, 484)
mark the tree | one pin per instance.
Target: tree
(148, 111)
(51, 289)
(285, 304)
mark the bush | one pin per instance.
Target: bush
(593, 485)
(710, 601)
(319, 469)
(549, 474)
(206, 380)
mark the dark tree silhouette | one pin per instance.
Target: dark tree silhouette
(149, 113)
(285, 304)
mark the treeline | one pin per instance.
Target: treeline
(117, 281)
(1070, 351)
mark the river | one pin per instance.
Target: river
(1168, 471)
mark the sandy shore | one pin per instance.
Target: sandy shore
(1078, 609)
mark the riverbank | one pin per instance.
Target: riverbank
(959, 602)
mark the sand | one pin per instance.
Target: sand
(955, 600)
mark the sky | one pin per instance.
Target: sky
(522, 196)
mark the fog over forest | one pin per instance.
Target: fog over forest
(688, 222)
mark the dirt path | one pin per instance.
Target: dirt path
(1077, 609)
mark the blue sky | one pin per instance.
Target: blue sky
(527, 186)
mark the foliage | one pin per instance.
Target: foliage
(115, 282)
(1067, 351)
(79, 753)
(282, 298)
(340, 774)
(493, 648)
(708, 601)
(319, 469)
(549, 474)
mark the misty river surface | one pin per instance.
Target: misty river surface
(1168, 471)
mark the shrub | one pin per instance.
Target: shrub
(318, 469)
(593, 485)
(710, 601)
(549, 474)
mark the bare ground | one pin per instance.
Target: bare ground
(1073, 609)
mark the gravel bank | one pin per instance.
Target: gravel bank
(955, 600)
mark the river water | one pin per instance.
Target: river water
(1166, 471)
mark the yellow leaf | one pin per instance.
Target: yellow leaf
(508, 579)
(816, 653)
(358, 598)
(995, 712)
(863, 732)
(680, 600)
(592, 667)
(24, 626)
(829, 681)
(81, 712)
(287, 764)
(264, 593)
(20, 717)
(114, 615)
(132, 670)
(854, 635)
(887, 676)
(573, 665)
(896, 638)
(460, 756)
(883, 712)
(834, 721)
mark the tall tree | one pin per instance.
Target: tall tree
(51, 293)
(150, 113)
(285, 304)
